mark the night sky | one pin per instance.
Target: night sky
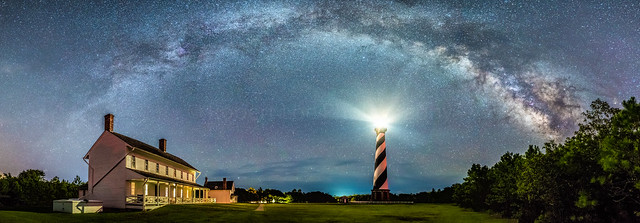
(281, 94)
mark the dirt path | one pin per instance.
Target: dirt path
(260, 208)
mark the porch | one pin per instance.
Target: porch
(148, 194)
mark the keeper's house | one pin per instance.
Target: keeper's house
(221, 191)
(127, 173)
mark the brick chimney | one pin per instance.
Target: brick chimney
(224, 183)
(108, 122)
(163, 145)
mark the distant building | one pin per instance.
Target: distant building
(127, 173)
(221, 191)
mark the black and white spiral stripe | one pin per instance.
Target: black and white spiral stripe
(380, 170)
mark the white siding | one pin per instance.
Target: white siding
(187, 175)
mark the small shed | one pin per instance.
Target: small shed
(76, 206)
(344, 200)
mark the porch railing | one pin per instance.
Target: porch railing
(146, 200)
(156, 200)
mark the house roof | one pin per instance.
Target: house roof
(160, 177)
(146, 147)
(217, 185)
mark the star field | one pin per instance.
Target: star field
(277, 94)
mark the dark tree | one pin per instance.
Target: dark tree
(319, 197)
(30, 190)
(297, 196)
(594, 176)
(245, 196)
(503, 197)
(620, 161)
(474, 190)
(273, 192)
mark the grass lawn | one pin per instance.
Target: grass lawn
(272, 213)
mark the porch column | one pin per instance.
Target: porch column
(144, 193)
(166, 190)
(157, 191)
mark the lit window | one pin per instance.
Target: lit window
(157, 168)
(166, 191)
(146, 164)
(133, 188)
(133, 162)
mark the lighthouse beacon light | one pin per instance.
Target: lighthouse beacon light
(380, 121)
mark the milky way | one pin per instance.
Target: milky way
(276, 94)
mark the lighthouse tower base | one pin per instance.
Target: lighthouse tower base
(380, 195)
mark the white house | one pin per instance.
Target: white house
(127, 173)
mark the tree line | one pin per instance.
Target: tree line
(594, 176)
(277, 196)
(297, 196)
(29, 189)
(439, 196)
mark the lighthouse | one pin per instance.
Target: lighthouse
(380, 191)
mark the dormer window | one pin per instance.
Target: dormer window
(146, 164)
(133, 162)
(157, 168)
